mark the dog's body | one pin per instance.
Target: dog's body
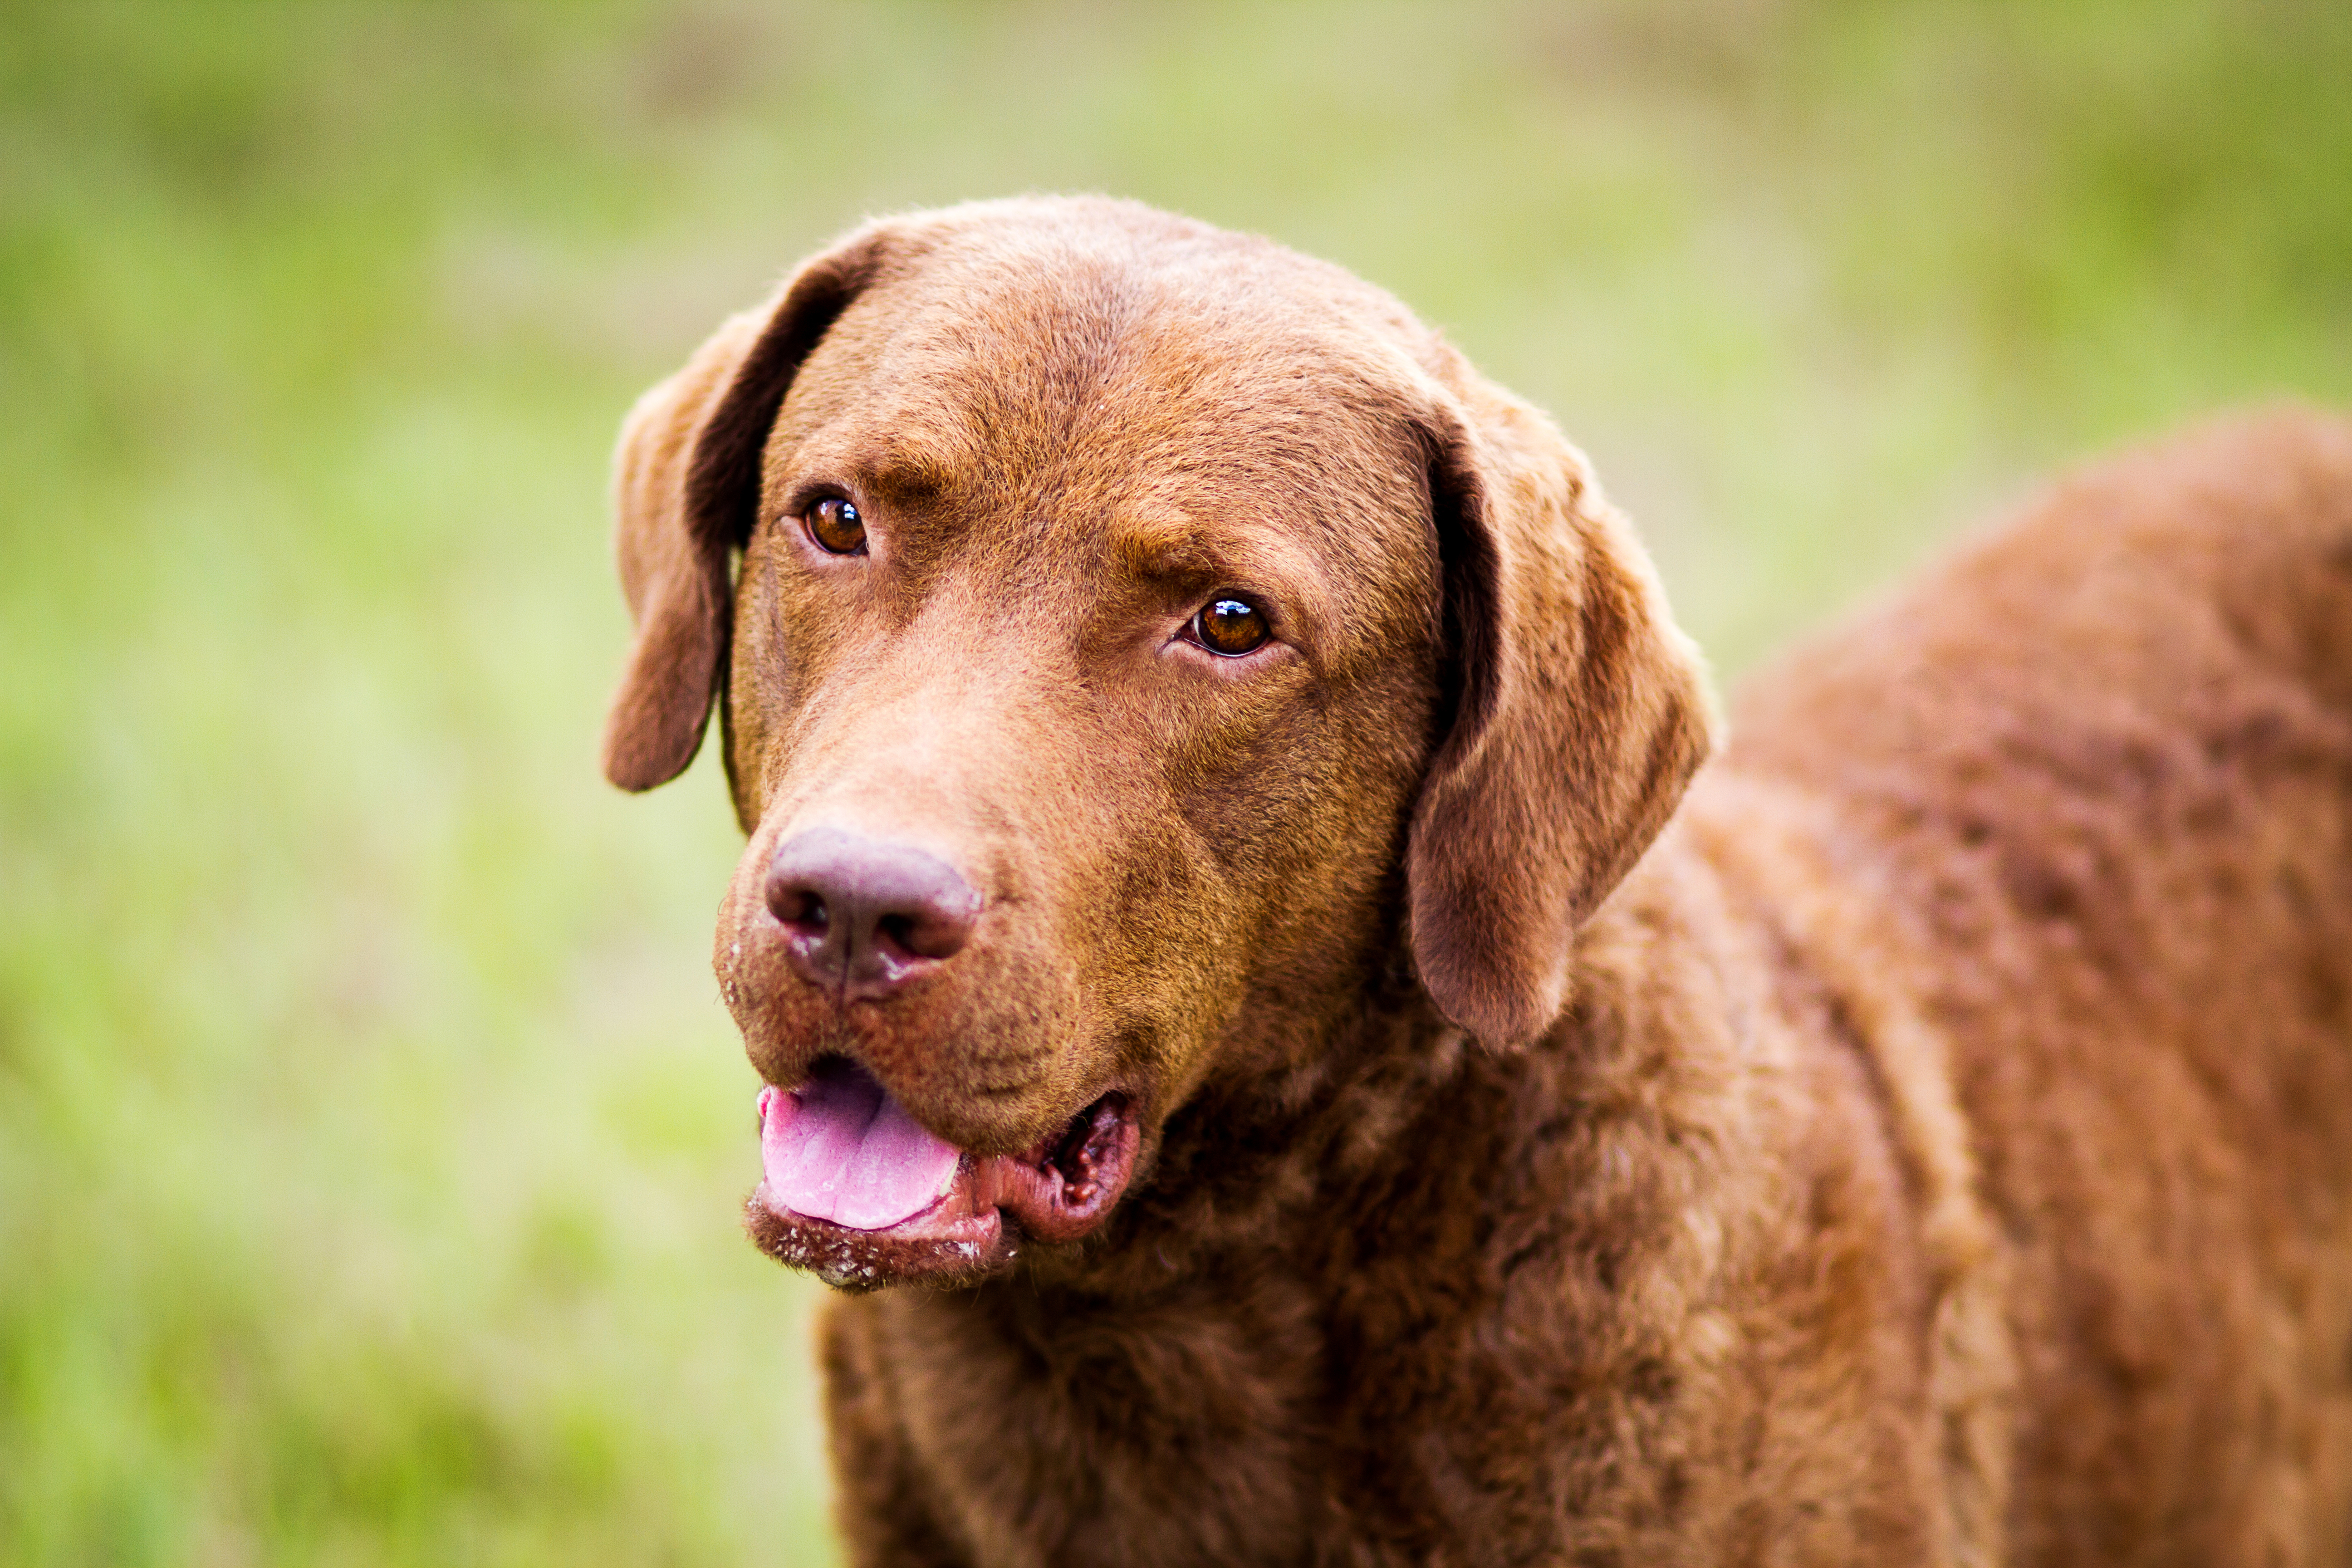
(1937, 1149)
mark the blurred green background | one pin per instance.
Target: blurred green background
(371, 1137)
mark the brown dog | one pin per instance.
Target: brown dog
(1196, 738)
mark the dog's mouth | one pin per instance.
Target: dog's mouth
(858, 1191)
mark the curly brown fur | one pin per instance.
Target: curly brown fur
(1927, 1139)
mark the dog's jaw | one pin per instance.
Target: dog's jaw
(904, 1206)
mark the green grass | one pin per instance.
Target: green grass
(369, 1133)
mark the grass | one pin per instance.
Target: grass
(370, 1132)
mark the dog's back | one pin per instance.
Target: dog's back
(2096, 776)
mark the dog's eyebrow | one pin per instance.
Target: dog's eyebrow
(1165, 548)
(900, 466)
(910, 470)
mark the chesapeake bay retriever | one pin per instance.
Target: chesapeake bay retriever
(1233, 950)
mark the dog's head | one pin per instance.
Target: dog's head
(1128, 633)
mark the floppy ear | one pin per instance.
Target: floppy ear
(686, 492)
(1577, 713)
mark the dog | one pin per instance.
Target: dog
(1290, 1058)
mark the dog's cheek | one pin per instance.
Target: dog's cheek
(791, 634)
(759, 687)
(1118, 948)
(1266, 803)
(1196, 905)
(1319, 821)
(1171, 960)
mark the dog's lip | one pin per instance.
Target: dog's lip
(1058, 1190)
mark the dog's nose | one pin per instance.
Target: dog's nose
(863, 916)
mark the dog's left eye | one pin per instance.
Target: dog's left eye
(1230, 627)
(834, 523)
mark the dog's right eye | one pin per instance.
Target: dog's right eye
(835, 524)
(1230, 628)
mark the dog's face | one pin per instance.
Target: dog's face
(1131, 626)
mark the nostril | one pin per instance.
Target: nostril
(802, 908)
(932, 934)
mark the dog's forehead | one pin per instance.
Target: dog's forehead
(1070, 381)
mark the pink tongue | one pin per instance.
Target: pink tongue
(840, 1148)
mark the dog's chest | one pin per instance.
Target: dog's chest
(1173, 1433)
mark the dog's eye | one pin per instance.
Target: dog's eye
(834, 523)
(1230, 627)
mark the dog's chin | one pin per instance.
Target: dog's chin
(841, 1145)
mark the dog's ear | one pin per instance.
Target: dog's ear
(686, 491)
(1574, 714)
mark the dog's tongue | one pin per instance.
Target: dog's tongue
(840, 1148)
